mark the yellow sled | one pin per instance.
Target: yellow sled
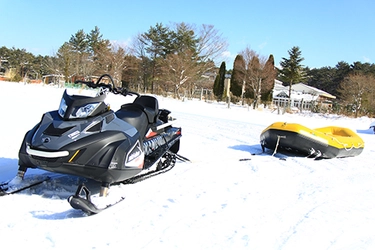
(326, 142)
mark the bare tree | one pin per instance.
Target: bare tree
(181, 70)
(254, 73)
(61, 62)
(138, 49)
(357, 89)
(211, 44)
(117, 61)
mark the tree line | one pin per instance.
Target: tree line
(352, 84)
(181, 58)
(165, 59)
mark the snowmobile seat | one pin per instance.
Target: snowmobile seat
(151, 106)
(134, 115)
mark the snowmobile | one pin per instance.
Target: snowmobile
(86, 138)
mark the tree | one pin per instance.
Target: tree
(197, 48)
(357, 89)
(80, 48)
(291, 71)
(157, 43)
(61, 64)
(238, 77)
(183, 38)
(181, 67)
(255, 77)
(322, 78)
(218, 87)
(269, 76)
(116, 61)
(98, 48)
(211, 44)
(138, 49)
(255, 74)
(179, 70)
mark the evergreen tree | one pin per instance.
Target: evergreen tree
(158, 41)
(98, 48)
(222, 71)
(80, 47)
(291, 71)
(269, 76)
(218, 88)
(64, 58)
(184, 39)
(79, 42)
(238, 76)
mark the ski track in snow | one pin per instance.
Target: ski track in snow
(214, 202)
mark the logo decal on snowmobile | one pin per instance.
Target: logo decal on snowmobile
(112, 165)
(74, 135)
(135, 157)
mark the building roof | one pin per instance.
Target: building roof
(301, 91)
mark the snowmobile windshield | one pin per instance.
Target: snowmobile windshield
(79, 106)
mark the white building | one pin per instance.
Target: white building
(302, 96)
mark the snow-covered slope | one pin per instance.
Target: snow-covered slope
(214, 202)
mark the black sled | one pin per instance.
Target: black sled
(85, 138)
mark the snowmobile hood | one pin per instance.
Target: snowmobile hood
(53, 133)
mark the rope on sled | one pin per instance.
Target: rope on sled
(277, 143)
(345, 144)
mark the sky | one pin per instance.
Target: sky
(326, 32)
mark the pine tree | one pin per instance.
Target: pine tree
(99, 48)
(292, 70)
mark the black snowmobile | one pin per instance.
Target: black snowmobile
(85, 138)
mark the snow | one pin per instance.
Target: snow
(214, 202)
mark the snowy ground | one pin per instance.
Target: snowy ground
(214, 202)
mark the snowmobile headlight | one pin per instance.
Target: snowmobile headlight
(85, 111)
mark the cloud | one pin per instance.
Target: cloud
(262, 45)
(366, 59)
(227, 54)
(119, 43)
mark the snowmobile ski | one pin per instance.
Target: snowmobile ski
(84, 203)
(81, 200)
(14, 186)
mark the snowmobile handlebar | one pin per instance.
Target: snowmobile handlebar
(109, 86)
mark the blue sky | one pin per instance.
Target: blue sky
(327, 31)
